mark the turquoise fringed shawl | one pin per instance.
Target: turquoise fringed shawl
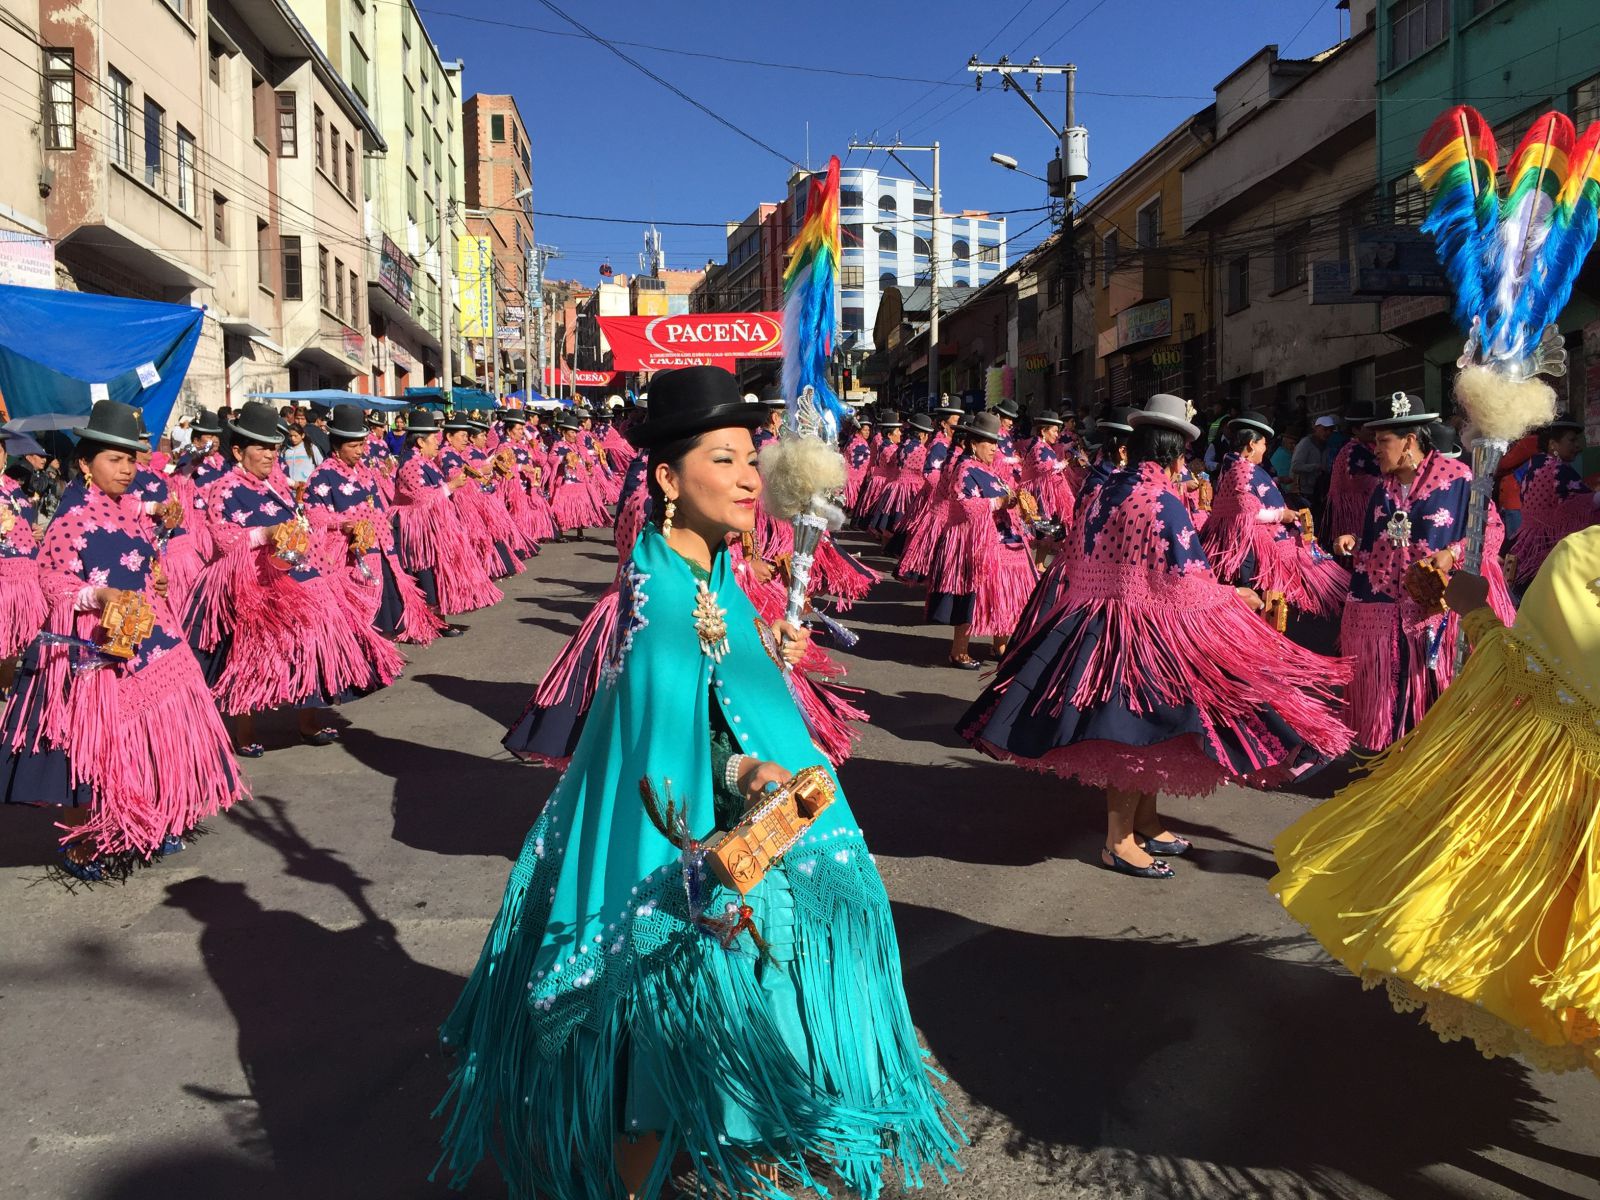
(598, 1009)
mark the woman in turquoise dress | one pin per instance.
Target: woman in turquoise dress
(628, 1012)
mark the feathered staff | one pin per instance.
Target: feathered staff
(1512, 264)
(803, 470)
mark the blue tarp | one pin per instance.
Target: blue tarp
(53, 345)
(462, 398)
(538, 399)
(332, 396)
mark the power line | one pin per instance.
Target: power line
(671, 87)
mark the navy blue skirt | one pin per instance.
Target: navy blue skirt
(391, 608)
(42, 776)
(1012, 719)
(949, 608)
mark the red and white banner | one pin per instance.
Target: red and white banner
(692, 339)
(584, 379)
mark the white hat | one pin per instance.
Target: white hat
(1168, 412)
(1326, 422)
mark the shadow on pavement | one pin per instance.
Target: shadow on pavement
(501, 702)
(1134, 1067)
(978, 812)
(337, 1038)
(432, 808)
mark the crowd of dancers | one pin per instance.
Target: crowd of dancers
(172, 598)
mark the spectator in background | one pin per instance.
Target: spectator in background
(299, 457)
(1281, 461)
(1508, 486)
(1309, 464)
(179, 435)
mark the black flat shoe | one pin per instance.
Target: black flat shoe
(1175, 847)
(251, 750)
(451, 631)
(1156, 870)
(966, 664)
(322, 737)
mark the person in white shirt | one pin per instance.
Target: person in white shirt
(1310, 461)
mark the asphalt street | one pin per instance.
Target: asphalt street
(256, 1017)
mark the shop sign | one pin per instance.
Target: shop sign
(355, 344)
(26, 260)
(690, 339)
(475, 270)
(1167, 358)
(394, 273)
(1144, 322)
(1397, 260)
(1035, 362)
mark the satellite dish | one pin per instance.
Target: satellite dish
(891, 316)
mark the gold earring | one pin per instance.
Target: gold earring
(666, 524)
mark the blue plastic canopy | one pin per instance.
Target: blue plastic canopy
(54, 345)
(332, 396)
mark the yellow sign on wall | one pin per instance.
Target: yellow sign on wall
(475, 271)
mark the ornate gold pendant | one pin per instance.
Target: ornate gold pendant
(710, 622)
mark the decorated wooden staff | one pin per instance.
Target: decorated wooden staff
(1512, 263)
(803, 471)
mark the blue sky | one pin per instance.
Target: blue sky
(609, 141)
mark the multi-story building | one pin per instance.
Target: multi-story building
(888, 239)
(1152, 308)
(1282, 190)
(198, 183)
(1512, 60)
(39, 113)
(499, 194)
(663, 293)
(415, 99)
(742, 287)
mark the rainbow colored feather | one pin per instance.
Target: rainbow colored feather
(1512, 262)
(1459, 161)
(811, 303)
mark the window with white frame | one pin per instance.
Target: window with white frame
(1415, 27)
(60, 113)
(120, 110)
(186, 170)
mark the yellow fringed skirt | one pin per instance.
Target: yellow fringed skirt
(1463, 871)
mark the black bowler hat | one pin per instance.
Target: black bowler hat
(1405, 413)
(1119, 421)
(566, 420)
(1258, 423)
(693, 400)
(319, 412)
(771, 396)
(456, 422)
(346, 425)
(985, 426)
(375, 419)
(257, 422)
(205, 421)
(421, 420)
(1564, 423)
(1007, 409)
(1047, 417)
(921, 422)
(513, 416)
(112, 423)
(1445, 442)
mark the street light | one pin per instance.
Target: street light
(1010, 164)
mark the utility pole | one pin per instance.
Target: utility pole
(1066, 169)
(933, 253)
(494, 329)
(445, 336)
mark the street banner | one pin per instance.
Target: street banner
(475, 271)
(692, 339)
(583, 379)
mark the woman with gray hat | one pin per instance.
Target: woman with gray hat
(857, 453)
(886, 516)
(575, 501)
(111, 718)
(272, 627)
(982, 570)
(347, 509)
(434, 545)
(485, 519)
(22, 603)
(1395, 627)
(1150, 675)
(1255, 539)
(891, 437)
(1555, 499)
(1047, 473)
